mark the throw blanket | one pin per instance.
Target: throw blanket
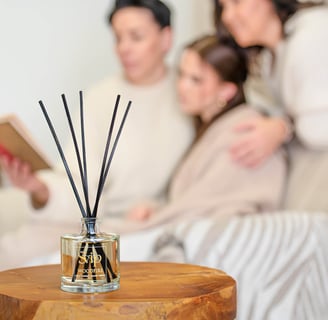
(280, 261)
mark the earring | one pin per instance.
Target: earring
(220, 104)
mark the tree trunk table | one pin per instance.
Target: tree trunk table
(149, 290)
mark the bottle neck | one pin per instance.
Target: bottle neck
(90, 226)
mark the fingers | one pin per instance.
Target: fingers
(250, 159)
(18, 172)
(245, 155)
(4, 161)
(240, 148)
(248, 152)
(247, 125)
(257, 139)
(140, 213)
(15, 169)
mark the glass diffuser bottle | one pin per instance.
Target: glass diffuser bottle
(90, 260)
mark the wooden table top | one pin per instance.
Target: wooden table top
(148, 290)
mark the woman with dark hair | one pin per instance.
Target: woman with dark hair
(288, 39)
(207, 183)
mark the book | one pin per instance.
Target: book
(16, 141)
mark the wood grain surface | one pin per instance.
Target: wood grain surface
(149, 290)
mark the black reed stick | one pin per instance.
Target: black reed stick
(103, 263)
(60, 150)
(84, 153)
(104, 176)
(115, 143)
(77, 152)
(103, 165)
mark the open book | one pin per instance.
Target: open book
(16, 141)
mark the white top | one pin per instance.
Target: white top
(154, 138)
(300, 75)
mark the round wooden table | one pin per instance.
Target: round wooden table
(149, 290)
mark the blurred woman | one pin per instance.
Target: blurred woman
(290, 41)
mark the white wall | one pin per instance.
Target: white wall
(63, 46)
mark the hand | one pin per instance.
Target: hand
(21, 176)
(140, 212)
(260, 138)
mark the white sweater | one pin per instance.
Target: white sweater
(300, 74)
(154, 138)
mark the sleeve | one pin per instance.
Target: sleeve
(257, 87)
(308, 65)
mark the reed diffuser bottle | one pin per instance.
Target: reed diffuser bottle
(90, 260)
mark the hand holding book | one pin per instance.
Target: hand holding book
(21, 176)
(20, 157)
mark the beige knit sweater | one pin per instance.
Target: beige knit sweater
(209, 183)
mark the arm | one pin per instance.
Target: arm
(259, 138)
(21, 176)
